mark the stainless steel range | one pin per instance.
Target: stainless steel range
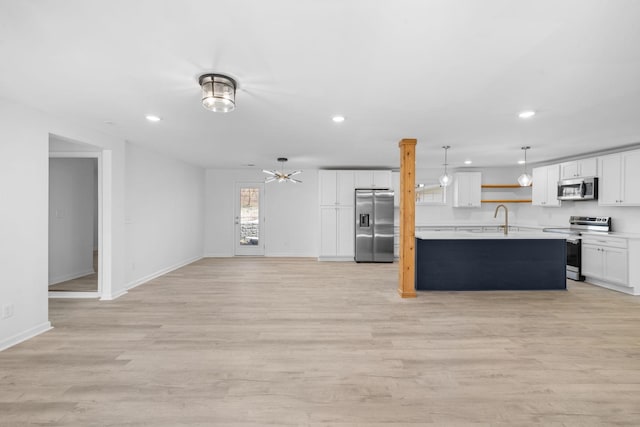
(578, 225)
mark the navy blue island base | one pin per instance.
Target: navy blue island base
(490, 264)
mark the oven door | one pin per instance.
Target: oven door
(574, 259)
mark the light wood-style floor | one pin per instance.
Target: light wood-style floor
(88, 283)
(295, 342)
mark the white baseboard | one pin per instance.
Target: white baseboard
(71, 276)
(159, 273)
(110, 297)
(336, 258)
(291, 255)
(25, 335)
(63, 294)
(271, 254)
(624, 289)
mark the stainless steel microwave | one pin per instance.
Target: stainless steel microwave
(578, 189)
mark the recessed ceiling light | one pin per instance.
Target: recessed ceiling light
(527, 114)
(521, 162)
(467, 162)
(338, 119)
(152, 118)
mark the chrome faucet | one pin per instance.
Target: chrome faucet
(506, 218)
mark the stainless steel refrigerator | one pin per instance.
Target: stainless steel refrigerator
(374, 225)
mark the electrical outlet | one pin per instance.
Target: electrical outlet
(7, 311)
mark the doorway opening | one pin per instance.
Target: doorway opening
(79, 220)
(73, 225)
(249, 219)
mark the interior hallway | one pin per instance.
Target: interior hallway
(281, 341)
(88, 283)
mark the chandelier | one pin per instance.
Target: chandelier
(280, 175)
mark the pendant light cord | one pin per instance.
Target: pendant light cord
(445, 160)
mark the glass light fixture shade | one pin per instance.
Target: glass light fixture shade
(445, 179)
(525, 180)
(218, 93)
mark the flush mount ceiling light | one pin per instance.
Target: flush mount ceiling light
(338, 119)
(525, 179)
(152, 118)
(218, 92)
(280, 175)
(445, 178)
(527, 114)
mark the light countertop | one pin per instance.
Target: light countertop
(470, 235)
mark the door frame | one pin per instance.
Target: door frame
(259, 249)
(104, 223)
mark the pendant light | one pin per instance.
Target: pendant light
(525, 179)
(218, 92)
(445, 178)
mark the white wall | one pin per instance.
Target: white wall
(24, 186)
(164, 214)
(72, 137)
(72, 208)
(624, 219)
(291, 211)
(447, 214)
(24, 175)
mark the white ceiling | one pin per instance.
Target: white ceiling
(447, 72)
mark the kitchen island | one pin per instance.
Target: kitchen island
(469, 261)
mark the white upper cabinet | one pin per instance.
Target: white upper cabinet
(327, 180)
(545, 186)
(345, 188)
(395, 185)
(373, 179)
(619, 178)
(579, 168)
(467, 189)
(336, 187)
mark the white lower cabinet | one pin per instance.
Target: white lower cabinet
(336, 232)
(605, 261)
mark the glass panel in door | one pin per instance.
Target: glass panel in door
(248, 225)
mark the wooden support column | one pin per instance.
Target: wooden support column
(406, 282)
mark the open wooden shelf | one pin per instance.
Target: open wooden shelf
(489, 186)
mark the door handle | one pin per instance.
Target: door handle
(237, 221)
(364, 220)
